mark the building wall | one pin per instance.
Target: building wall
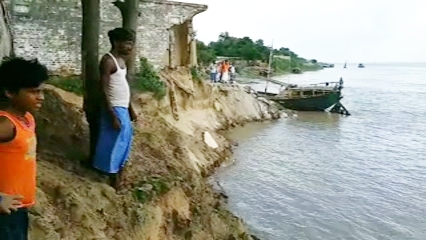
(51, 30)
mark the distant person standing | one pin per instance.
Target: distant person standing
(213, 72)
(233, 72)
(219, 72)
(225, 72)
(116, 132)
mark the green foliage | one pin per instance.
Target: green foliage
(247, 49)
(71, 84)
(281, 65)
(205, 54)
(150, 188)
(147, 80)
(195, 73)
(285, 65)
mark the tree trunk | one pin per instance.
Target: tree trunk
(90, 68)
(129, 14)
(6, 44)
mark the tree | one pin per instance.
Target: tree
(260, 42)
(249, 53)
(7, 49)
(129, 13)
(224, 36)
(89, 67)
(205, 55)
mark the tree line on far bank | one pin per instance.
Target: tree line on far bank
(249, 50)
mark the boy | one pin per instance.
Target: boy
(116, 132)
(21, 92)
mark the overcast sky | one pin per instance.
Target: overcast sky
(326, 30)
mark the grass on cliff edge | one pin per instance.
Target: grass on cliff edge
(150, 188)
(146, 80)
(72, 84)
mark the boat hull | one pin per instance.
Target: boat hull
(314, 103)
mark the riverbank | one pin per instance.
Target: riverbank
(258, 71)
(178, 144)
(280, 67)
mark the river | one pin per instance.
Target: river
(326, 176)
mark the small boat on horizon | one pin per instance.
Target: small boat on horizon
(361, 65)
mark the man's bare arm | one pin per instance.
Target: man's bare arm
(132, 112)
(106, 68)
(7, 130)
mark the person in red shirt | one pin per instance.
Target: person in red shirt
(21, 92)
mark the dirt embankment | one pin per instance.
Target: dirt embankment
(177, 144)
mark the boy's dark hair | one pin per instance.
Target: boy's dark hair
(18, 73)
(121, 34)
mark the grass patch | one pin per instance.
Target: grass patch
(71, 84)
(147, 80)
(150, 188)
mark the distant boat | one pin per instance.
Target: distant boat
(327, 65)
(361, 65)
(344, 65)
(296, 71)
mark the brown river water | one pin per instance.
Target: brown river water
(326, 176)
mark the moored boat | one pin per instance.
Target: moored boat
(315, 97)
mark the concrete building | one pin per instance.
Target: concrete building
(51, 31)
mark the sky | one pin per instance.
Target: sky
(326, 30)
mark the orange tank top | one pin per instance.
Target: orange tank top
(18, 161)
(225, 67)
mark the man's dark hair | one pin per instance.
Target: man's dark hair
(121, 35)
(18, 73)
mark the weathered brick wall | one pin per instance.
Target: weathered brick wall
(51, 30)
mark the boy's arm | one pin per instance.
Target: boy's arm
(7, 130)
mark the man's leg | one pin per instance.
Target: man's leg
(121, 156)
(116, 180)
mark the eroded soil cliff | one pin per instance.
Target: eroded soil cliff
(177, 145)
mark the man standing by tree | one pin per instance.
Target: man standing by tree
(116, 132)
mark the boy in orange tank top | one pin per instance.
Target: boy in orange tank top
(21, 92)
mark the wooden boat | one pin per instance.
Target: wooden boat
(315, 97)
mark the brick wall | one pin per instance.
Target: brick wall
(51, 30)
